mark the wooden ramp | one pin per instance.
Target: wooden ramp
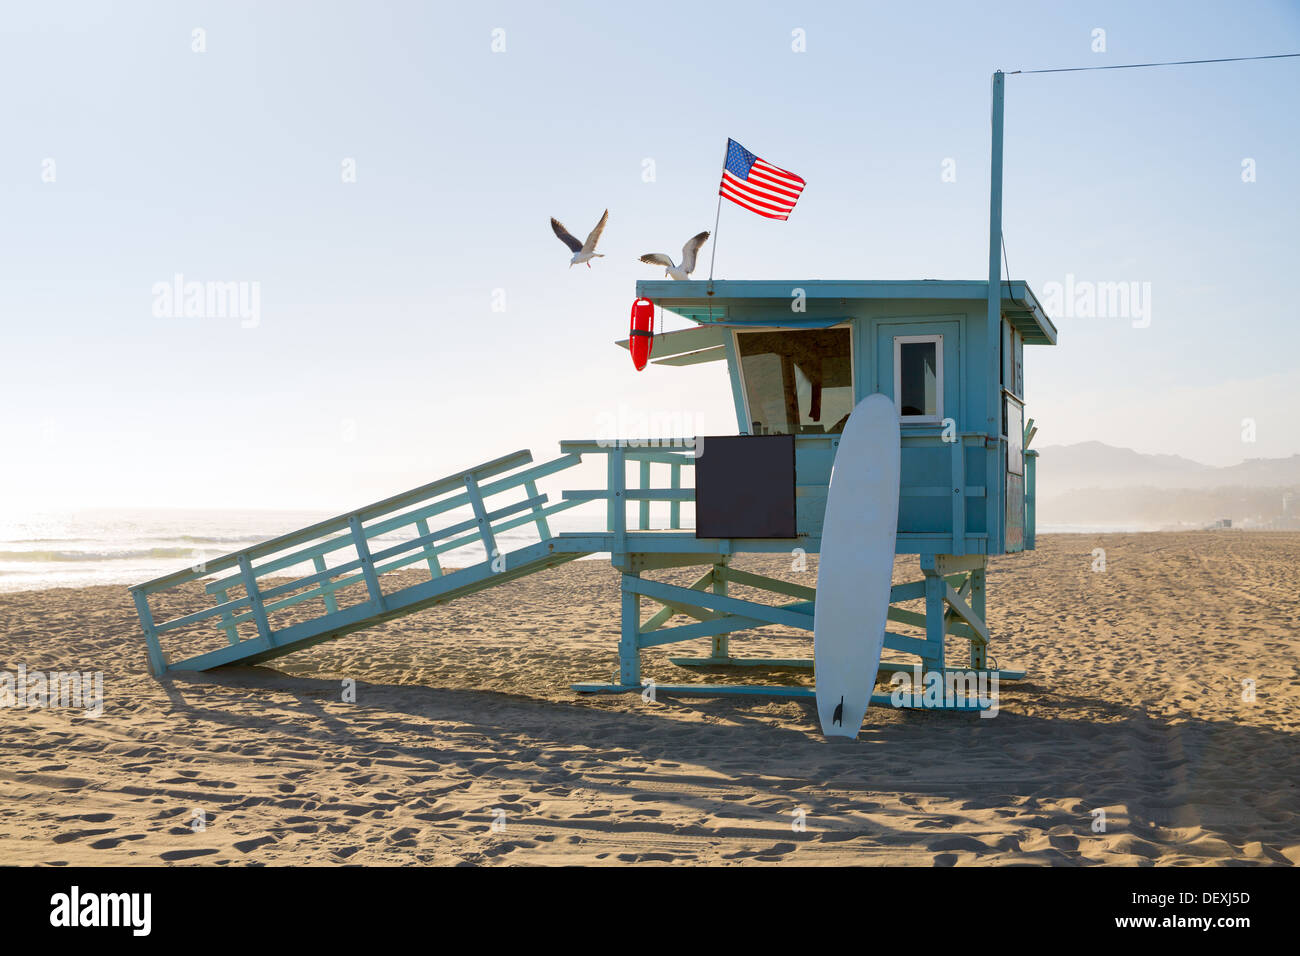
(345, 560)
(334, 577)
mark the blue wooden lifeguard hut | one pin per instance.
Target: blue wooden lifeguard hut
(800, 355)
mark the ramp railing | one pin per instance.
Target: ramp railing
(676, 453)
(246, 598)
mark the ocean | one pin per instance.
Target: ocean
(129, 546)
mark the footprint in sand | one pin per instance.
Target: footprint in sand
(173, 855)
(774, 853)
(960, 843)
(1064, 843)
(646, 857)
(766, 854)
(508, 846)
(248, 846)
(435, 816)
(403, 837)
(79, 835)
(86, 817)
(110, 843)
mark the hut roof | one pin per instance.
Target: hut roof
(725, 304)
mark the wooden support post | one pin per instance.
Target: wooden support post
(255, 599)
(480, 514)
(645, 505)
(675, 508)
(721, 642)
(935, 588)
(617, 491)
(367, 563)
(543, 526)
(979, 653)
(326, 586)
(157, 663)
(629, 653)
(227, 619)
(435, 568)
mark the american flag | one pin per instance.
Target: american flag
(757, 185)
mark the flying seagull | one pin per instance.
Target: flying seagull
(689, 252)
(582, 251)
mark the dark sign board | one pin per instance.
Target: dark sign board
(744, 487)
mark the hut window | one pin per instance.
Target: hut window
(797, 381)
(918, 377)
(1013, 430)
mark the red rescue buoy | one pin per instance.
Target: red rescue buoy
(641, 335)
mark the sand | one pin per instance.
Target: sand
(464, 716)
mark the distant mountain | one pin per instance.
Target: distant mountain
(1261, 472)
(1092, 483)
(1094, 464)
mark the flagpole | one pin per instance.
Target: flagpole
(714, 254)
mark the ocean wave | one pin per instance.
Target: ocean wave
(114, 555)
(43, 540)
(248, 539)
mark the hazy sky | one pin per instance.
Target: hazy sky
(377, 360)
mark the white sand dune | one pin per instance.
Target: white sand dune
(1132, 705)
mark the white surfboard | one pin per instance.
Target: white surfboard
(855, 569)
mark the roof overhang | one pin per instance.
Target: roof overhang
(716, 303)
(707, 342)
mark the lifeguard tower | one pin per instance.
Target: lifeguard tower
(800, 355)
